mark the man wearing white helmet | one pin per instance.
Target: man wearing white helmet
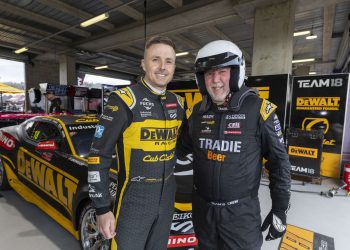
(229, 132)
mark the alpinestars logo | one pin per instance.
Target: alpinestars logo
(319, 83)
(277, 224)
(123, 92)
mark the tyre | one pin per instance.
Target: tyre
(90, 238)
(4, 185)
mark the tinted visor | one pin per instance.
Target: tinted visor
(217, 61)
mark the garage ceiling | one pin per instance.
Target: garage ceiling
(50, 28)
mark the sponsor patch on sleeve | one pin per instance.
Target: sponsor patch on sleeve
(267, 109)
(99, 131)
(94, 160)
(127, 95)
(94, 176)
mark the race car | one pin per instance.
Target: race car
(44, 159)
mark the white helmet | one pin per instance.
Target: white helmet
(220, 54)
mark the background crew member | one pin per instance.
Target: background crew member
(55, 106)
(229, 132)
(141, 122)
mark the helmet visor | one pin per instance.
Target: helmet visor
(217, 61)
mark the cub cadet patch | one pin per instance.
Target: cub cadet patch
(317, 103)
(94, 160)
(158, 157)
(7, 141)
(266, 109)
(303, 152)
(53, 181)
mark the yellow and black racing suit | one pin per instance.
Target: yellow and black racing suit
(141, 128)
(228, 144)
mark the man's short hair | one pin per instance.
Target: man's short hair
(159, 40)
(48, 92)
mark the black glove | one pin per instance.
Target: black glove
(277, 221)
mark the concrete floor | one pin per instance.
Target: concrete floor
(24, 226)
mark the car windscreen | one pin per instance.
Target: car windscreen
(82, 139)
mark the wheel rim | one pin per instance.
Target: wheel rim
(90, 236)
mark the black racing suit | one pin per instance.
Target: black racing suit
(141, 128)
(228, 144)
(55, 106)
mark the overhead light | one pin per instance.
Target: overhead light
(303, 60)
(102, 67)
(94, 20)
(312, 73)
(311, 36)
(302, 33)
(182, 53)
(21, 50)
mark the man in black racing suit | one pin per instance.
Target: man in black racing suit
(140, 125)
(229, 133)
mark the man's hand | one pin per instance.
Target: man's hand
(277, 222)
(106, 225)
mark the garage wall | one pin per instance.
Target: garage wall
(41, 71)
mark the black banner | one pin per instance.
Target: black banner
(305, 151)
(275, 88)
(318, 102)
(188, 90)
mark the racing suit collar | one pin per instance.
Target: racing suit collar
(152, 89)
(234, 104)
(238, 97)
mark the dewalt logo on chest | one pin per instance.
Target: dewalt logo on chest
(158, 134)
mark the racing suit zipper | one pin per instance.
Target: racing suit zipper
(218, 165)
(162, 102)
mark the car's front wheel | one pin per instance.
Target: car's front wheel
(90, 238)
(3, 178)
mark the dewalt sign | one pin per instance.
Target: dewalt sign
(303, 152)
(317, 103)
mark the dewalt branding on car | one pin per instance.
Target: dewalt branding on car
(53, 181)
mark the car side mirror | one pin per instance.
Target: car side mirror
(46, 146)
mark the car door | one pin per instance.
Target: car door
(43, 164)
